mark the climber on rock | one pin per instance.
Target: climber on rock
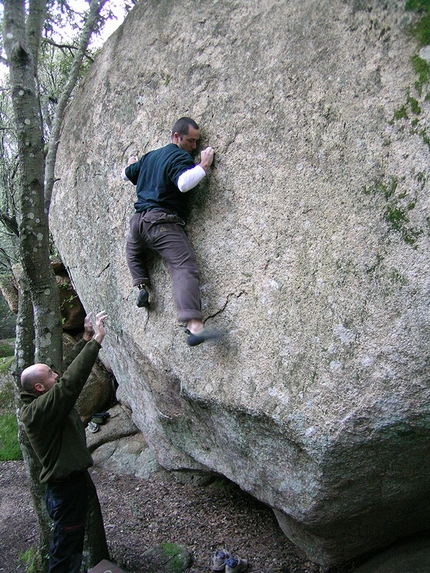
(162, 178)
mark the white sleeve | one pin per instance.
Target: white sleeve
(190, 178)
(124, 176)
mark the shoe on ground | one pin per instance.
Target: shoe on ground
(143, 298)
(93, 428)
(219, 559)
(100, 418)
(235, 565)
(201, 336)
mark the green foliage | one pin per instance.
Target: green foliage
(401, 113)
(425, 137)
(33, 561)
(8, 180)
(55, 64)
(414, 105)
(397, 207)
(421, 29)
(422, 69)
(7, 397)
(9, 446)
(397, 277)
(380, 186)
(398, 220)
(175, 557)
(7, 347)
(7, 321)
(418, 5)
(62, 30)
(396, 217)
(5, 364)
(421, 178)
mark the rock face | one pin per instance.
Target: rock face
(98, 392)
(313, 241)
(72, 311)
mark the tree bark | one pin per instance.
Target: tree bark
(40, 319)
(95, 545)
(32, 215)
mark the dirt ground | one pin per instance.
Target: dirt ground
(140, 514)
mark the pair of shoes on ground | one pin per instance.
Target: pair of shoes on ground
(97, 420)
(201, 336)
(223, 561)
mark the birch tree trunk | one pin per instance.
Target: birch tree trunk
(39, 315)
(32, 215)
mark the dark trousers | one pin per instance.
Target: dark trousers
(163, 233)
(67, 504)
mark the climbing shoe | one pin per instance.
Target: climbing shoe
(100, 418)
(201, 336)
(235, 565)
(93, 427)
(142, 297)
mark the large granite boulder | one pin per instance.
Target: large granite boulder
(99, 390)
(313, 240)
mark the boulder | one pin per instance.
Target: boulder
(117, 425)
(119, 447)
(410, 556)
(312, 237)
(166, 558)
(98, 392)
(72, 311)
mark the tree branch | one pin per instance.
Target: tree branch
(10, 223)
(68, 47)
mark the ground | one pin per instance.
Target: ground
(140, 514)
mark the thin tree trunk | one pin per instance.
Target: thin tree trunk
(41, 319)
(37, 490)
(95, 545)
(33, 218)
(39, 332)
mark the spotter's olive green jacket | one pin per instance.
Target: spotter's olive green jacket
(53, 426)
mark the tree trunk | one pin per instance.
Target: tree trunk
(32, 216)
(37, 490)
(39, 332)
(95, 546)
(41, 319)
